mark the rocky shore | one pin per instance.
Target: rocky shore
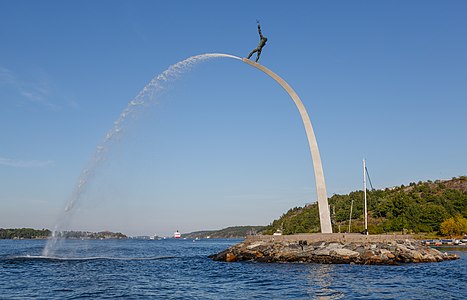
(333, 249)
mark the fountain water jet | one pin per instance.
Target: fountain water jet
(148, 95)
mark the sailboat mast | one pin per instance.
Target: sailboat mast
(364, 193)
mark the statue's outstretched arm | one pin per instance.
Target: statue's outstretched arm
(259, 31)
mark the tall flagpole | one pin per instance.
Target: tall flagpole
(364, 193)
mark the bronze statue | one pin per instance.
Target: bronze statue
(261, 44)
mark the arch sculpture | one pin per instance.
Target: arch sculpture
(324, 215)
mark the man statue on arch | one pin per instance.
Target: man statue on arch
(262, 42)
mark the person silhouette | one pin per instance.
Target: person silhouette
(262, 42)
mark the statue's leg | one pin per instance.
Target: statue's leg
(251, 53)
(258, 55)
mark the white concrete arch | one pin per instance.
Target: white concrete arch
(324, 215)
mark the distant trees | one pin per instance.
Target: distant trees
(454, 226)
(433, 216)
(229, 232)
(91, 235)
(29, 233)
(23, 233)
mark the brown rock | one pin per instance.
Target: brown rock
(367, 254)
(258, 254)
(417, 256)
(230, 257)
(428, 258)
(376, 259)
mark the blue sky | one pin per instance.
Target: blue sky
(384, 80)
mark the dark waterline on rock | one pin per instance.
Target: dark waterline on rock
(131, 269)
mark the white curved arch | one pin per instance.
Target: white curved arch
(324, 216)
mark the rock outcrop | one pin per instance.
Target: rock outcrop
(333, 249)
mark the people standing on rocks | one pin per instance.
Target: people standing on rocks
(262, 42)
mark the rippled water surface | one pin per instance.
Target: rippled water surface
(180, 269)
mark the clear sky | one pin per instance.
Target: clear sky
(384, 80)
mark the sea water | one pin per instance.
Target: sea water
(180, 269)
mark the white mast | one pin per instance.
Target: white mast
(364, 193)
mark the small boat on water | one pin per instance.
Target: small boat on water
(177, 234)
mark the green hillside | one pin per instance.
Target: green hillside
(23, 233)
(418, 207)
(229, 232)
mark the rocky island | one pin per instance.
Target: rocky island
(333, 249)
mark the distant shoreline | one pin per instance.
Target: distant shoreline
(40, 234)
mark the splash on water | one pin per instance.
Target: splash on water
(147, 96)
(58, 258)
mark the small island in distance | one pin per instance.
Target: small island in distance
(30, 233)
(234, 232)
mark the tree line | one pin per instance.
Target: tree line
(29, 233)
(418, 207)
(24, 233)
